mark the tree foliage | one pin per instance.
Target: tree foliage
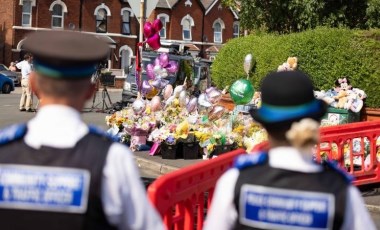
(285, 16)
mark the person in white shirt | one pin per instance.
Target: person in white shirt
(283, 188)
(57, 172)
(26, 101)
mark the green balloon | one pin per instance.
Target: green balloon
(242, 92)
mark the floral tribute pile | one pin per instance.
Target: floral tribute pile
(179, 117)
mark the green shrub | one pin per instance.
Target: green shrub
(325, 54)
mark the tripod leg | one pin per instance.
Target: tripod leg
(108, 96)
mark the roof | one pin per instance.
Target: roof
(192, 47)
(213, 49)
(207, 3)
(168, 4)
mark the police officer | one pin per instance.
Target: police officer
(283, 188)
(55, 171)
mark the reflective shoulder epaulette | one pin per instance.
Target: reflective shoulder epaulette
(333, 166)
(99, 132)
(247, 160)
(12, 133)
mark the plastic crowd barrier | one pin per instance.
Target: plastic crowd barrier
(183, 196)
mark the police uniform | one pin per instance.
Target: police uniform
(56, 172)
(283, 188)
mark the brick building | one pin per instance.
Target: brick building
(201, 25)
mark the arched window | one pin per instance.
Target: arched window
(187, 22)
(164, 19)
(126, 53)
(236, 28)
(58, 10)
(126, 14)
(101, 13)
(218, 30)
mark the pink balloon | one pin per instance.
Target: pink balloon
(150, 71)
(168, 91)
(154, 41)
(148, 29)
(157, 25)
(172, 67)
(156, 61)
(191, 105)
(164, 59)
(155, 103)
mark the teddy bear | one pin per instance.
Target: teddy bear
(290, 64)
(342, 99)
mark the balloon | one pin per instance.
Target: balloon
(146, 88)
(154, 41)
(153, 92)
(163, 73)
(192, 105)
(242, 92)
(216, 113)
(169, 100)
(156, 61)
(172, 67)
(148, 30)
(157, 25)
(155, 103)
(164, 59)
(182, 98)
(150, 71)
(247, 63)
(138, 106)
(214, 96)
(168, 91)
(208, 90)
(160, 83)
(202, 101)
(157, 69)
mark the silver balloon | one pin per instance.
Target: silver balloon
(169, 100)
(202, 101)
(163, 73)
(178, 89)
(182, 98)
(138, 106)
(191, 105)
(208, 90)
(214, 95)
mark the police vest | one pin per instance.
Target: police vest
(273, 198)
(50, 188)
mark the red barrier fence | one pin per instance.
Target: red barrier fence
(182, 197)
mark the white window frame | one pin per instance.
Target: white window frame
(32, 3)
(166, 18)
(236, 35)
(222, 27)
(64, 10)
(191, 22)
(123, 22)
(108, 13)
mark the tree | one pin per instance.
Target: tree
(373, 14)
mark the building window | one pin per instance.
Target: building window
(164, 19)
(236, 30)
(101, 13)
(58, 10)
(218, 30)
(27, 13)
(187, 22)
(126, 22)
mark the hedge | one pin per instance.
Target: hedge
(324, 53)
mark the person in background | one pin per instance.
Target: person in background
(12, 67)
(57, 172)
(26, 101)
(283, 188)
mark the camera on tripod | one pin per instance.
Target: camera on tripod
(105, 79)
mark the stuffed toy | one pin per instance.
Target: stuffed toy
(325, 96)
(289, 65)
(342, 99)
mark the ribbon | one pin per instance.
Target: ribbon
(138, 66)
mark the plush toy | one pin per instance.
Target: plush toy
(325, 96)
(290, 64)
(342, 99)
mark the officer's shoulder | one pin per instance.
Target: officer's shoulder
(332, 166)
(100, 133)
(12, 133)
(247, 160)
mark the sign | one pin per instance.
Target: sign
(44, 188)
(150, 5)
(274, 208)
